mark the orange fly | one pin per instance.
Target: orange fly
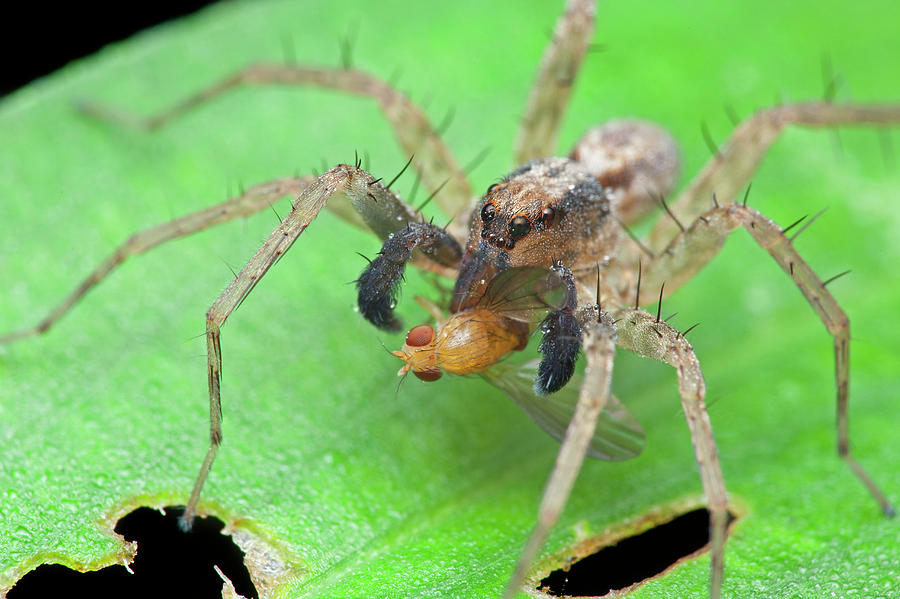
(477, 341)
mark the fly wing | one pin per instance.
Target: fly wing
(618, 435)
(524, 293)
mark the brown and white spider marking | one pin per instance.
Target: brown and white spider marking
(568, 215)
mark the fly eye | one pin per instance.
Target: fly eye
(519, 227)
(487, 213)
(427, 375)
(420, 336)
(547, 218)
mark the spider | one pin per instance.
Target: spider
(636, 328)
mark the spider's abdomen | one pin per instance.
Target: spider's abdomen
(638, 161)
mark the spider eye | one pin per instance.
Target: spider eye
(547, 218)
(487, 213)
(420, 336)
(519, 227)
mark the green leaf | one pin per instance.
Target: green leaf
(431, 490)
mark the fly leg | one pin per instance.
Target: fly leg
(249, 202)
(433, 160)
(379, 283)
(561, 341)
(375, 203)
(646, 336)
(689, 251)
(599, 341)
(731, 168)
(553, 84)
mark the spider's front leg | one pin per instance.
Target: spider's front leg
(649, 337)
(599, 341)
(381, 211)
(692, 249)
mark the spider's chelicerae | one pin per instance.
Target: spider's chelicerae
(547, 247)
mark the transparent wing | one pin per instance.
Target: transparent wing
(618, 435)
(524, 293)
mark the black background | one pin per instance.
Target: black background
(41, 37)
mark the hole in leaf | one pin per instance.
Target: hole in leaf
(633, 559)
(169, 563)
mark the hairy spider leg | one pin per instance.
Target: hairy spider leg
(648, 337)
(641, 333)
(249, 202)
(729, 171)
(433, 161)
(692, 249)
(374, 202)
(435, 165)
(552, 86)
(598, 341)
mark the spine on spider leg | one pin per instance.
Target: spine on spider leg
(379, 284)
(561, 342)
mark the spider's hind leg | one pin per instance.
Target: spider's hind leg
(734, 163)
(553, 83)
(434, 162)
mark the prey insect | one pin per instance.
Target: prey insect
(477, 339)
(552, 215)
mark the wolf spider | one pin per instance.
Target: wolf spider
(633, 165)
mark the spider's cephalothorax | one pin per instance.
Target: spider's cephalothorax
(549, 213)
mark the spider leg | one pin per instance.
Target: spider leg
(553, 84)
(251, 201)
(644, 335)
(691, 250)
(433, 160)
(599, 339)
(380, 211)
(687, 253)
(375, 203)
(729, 171)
